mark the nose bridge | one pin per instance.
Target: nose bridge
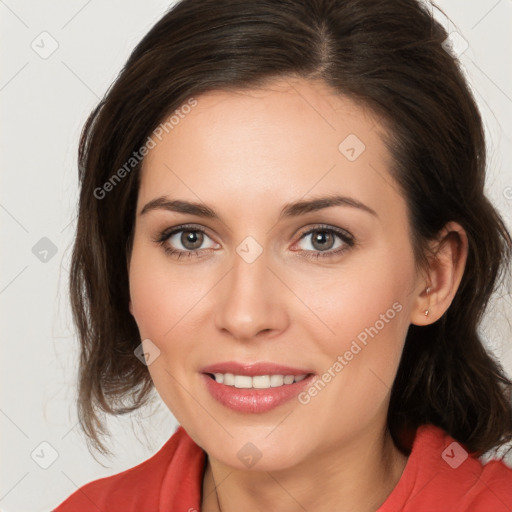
(250, 301)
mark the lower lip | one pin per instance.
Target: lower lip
(254, 400)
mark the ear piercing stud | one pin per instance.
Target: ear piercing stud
(428, 291)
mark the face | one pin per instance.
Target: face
(326, 290)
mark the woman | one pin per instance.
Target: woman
(283, 229)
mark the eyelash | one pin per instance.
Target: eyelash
(346, 238)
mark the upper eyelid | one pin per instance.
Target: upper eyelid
(167, 233)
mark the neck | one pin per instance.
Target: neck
(358, 476)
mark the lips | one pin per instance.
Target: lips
(254, 400)
(253, 369)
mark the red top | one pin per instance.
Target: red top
(439, 476)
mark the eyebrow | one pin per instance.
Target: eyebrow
(294, 209)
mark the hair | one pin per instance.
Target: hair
(385, 55)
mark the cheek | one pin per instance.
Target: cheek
(360, 360)
(152, 294)
(367, 294)
(160, 313)
(367, 311)
(164, 301)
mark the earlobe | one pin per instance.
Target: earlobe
(444, 275)
(422, 311)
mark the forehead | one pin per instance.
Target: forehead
(287, 140)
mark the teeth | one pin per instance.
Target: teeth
(258, 381)
(276, 381)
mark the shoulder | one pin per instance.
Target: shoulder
(441, 475)
(172, 475)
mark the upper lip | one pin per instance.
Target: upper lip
(252, 369)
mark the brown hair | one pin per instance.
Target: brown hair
(387, 55)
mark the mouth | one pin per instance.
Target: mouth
(254, 388)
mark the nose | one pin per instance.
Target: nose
(251, 301)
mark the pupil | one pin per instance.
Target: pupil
(192, 238)
(322, 237)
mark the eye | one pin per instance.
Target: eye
(190, 238)
(323, 242)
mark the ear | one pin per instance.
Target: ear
(444, 275)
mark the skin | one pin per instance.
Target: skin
(246, 154)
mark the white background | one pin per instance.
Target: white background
(44, 104)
